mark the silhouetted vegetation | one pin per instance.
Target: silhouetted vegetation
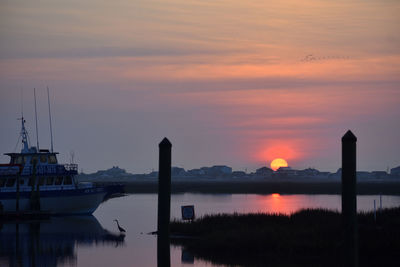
(306, 238)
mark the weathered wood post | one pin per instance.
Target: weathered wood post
(349, 199)
(164, 203)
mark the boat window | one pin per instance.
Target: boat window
(19, 160)
(10, 182)
(30, 183)
(2, 182)
(59, 180)
(41, 180)
(52, 159)
(49, 180)
(21, 181)
(34, 158)
(43, 158)
(67, 180)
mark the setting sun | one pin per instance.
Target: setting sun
(277, 163)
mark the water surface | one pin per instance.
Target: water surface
(96, 241)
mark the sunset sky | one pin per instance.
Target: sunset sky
(228, 82)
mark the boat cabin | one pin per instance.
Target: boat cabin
(48, 174)
(43, 157)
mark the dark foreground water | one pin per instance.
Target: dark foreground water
(96, 241)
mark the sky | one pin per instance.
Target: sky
(235, 83)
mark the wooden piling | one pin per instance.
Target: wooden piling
(164, 203)
(349, 199)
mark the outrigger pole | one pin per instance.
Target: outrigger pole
(22, 104)
(37, 131)
(51, 128)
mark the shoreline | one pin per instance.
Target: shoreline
(220, 186)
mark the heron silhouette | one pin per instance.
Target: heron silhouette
(122, 230)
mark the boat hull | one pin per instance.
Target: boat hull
(81, 201)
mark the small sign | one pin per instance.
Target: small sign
(188, 213)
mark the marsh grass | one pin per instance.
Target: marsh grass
(311, 237)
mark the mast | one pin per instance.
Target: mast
(37, 131)
(51, 128)
(22, 103)
(24, 135)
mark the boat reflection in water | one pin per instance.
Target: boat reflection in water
(53, 241)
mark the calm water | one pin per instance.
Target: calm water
(95, 241)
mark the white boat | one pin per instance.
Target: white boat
(33, 180)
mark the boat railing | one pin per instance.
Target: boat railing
(52, 169)
(10, 169)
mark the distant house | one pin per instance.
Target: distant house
(112, 174)
(115, 170)
(238, 174)
(324, 174)
(176, 171)
(222, 169)
(206, 170)
(379, 174)
(395, 171)
(337, 174)
(364, 175)
(196, 172)
(308, 172)
(217, 171)
(285, 172)
(264, 171)
(153, 174)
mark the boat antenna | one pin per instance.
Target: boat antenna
(22, 118)
(22, 103)
(23, 134)
(37, 131)
(51, 128)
